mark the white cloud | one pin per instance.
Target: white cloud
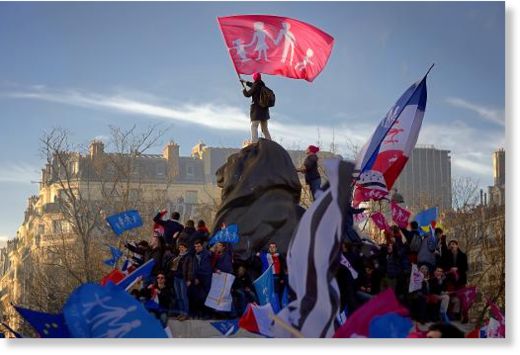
(18, 172)
(210, 115)
(471, 153)
(491, 115)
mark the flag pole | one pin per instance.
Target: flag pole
(428, 72)
(286, 326)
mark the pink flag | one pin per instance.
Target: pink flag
(399, 215)
(467, 296)
(276, 45)
(380, 221)
(496, 313)
(359, 322)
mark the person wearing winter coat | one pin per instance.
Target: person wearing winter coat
(171, 226)
(310, 169)
(259, 115)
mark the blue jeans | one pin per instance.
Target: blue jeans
(315, 185)
(181, 293)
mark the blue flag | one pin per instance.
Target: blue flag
(264, 286)
(226, 327)
(390, 325)
(95, 311)
(47, 325)
(124, 221)
(425, 218)
(228, 234)
(285, 297)
(142, 271)
(116, 255)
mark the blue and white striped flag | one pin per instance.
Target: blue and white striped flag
(314, 256)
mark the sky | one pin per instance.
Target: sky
(85, 66)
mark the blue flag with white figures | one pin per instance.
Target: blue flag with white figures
(142, 272)
(228, 234)
(95, 311)
(47, 325)
(264, 286)
(116, 255)
(226, 327)
(124, 221)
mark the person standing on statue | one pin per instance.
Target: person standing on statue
(310, 169)
(258, 114)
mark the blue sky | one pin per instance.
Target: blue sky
(83, 66)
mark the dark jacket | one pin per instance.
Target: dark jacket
(257, 112)
(223, 262)
(460, 261)
(184, 267)
(186, 236)
(203, 264)
(170, 228)
(311, 168)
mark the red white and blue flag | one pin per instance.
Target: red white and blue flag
(390, 146)
(276, 45)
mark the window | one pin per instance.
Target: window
(191, 197)
(189, 171)
(41, 229)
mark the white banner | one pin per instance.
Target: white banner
(219, 297)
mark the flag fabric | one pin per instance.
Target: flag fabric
(257, 319)
(391, 144)
(227, 234)
(226, 327)
(496, 314)
(399, 215)
(285, 297)
(116, 255)
(276, 45)
(390, 325)
(344, 261)
(219, 296)
(94, 311)
(142, 272)
(115, 276)
(342, 316)
(46, 325)
(416, 279)
(467, 297)
(371, 185)
(124, 221)
(358, 323)
(380, 221)
(360, 217)
(314, 255)
(427, 218)
(264, 287)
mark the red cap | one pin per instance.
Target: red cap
(313, 149)
(257, 76)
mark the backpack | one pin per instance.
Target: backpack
(415, 244)
(267, 97)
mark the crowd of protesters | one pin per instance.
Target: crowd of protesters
(185, 263)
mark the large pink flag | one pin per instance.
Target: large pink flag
(380, 221)
(276, 45)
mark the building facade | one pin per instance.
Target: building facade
(426, 179)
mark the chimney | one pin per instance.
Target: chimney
(485, 199)
(171, 154)
(96, 148)
(481, 197)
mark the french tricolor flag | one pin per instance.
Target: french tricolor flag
(390, 146)
(257, 319)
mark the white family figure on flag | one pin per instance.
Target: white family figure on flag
(300, 66)
(123, 329)
(259, 37)
(289, 41)
(111, 317)
(240, 47)
(87, 307)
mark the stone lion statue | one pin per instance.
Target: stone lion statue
(260, 193)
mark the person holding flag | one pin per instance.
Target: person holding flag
(258, 113)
